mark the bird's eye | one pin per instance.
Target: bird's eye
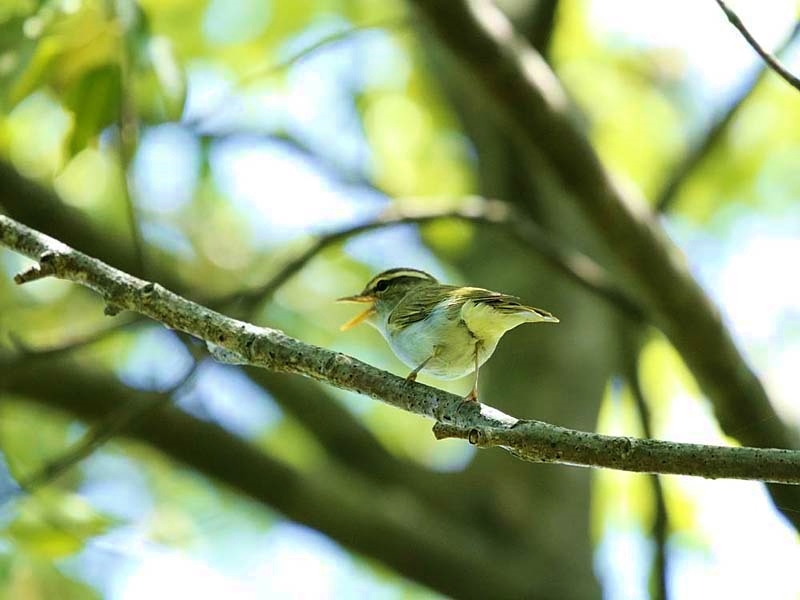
(381, 285)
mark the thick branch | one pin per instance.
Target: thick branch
(276, 351)
(123, 417)
(257, 346)
(343, 435)
(354, 445)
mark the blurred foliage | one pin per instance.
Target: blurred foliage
(753, 166)
(56, 525)
(210, 183)
(609, 80)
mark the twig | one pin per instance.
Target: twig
(133, 223)
(128, 129)
(481, 424)
(702, 148)
(660, 530)
(293, 59)
(773, 62)
(327, 40)
(576, 266)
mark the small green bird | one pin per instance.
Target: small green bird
(444, 330)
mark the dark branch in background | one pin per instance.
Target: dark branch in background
(42, 209)
(378, 521)
(721, 123)
(483, 425)
(330, 422)
(544, 23)
(534, 108)
(349, 441)
(24, 352)
(773, 62)
(660, 531)
(95, 396)
(325, 421)
(343, 435)
(122, 419)
(577, 267)
(24, 196)
(355, 440)
(536, 21)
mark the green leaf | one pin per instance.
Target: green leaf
(17, 420)
(36, 579)
(16, 50)
(69, 45)
(95, 101)
(11, 9)
(53, 524)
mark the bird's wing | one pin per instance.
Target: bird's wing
(416, 305)
(502, 303)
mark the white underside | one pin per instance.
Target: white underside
(450, 344)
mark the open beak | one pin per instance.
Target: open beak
(363, 315)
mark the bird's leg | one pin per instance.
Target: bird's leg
(413, 375)
(473, 395)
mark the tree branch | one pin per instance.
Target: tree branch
(540, 442)
(380, 521)
(773, 62)
(709, 139)
(41, 208)
(298, 56)
(128, 132)
(120, 419)
(342, 434)
(535, 110)
(24, 352)
(576, 266)
(482, 424)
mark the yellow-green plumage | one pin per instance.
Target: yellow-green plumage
(445, 330)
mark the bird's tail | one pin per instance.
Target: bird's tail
(538, 315)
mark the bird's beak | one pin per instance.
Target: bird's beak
(363, 315)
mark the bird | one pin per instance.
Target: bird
(446, 331)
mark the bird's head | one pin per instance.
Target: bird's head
(384, 291)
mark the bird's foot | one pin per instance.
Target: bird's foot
(411, 376)
(472, 397)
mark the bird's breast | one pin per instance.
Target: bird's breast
(446, 337)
